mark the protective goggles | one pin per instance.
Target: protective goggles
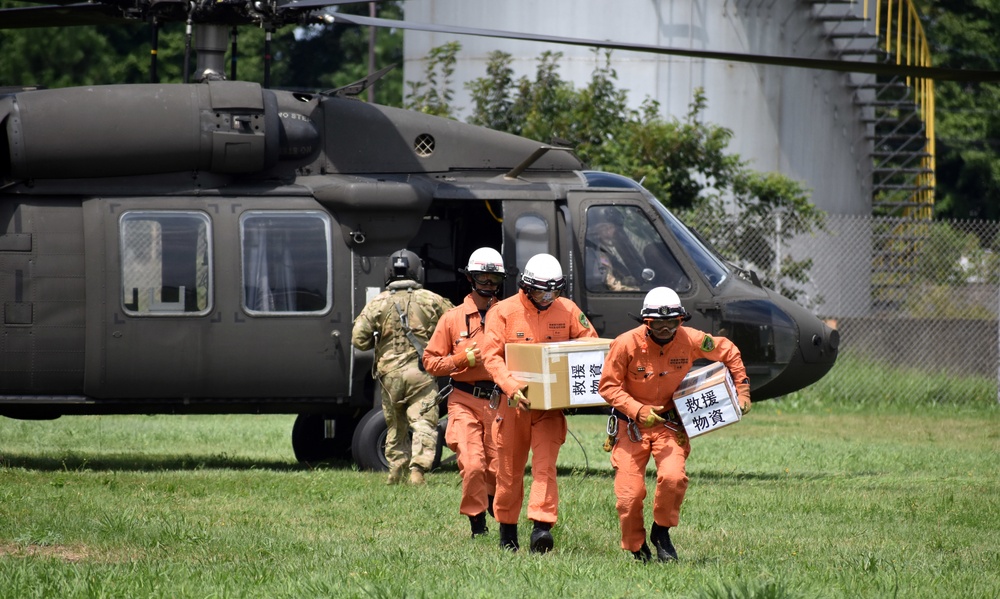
(663, 324)
(544, 295)
(484, 278)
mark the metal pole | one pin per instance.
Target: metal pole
(371, 52)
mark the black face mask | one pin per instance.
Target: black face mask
(486, 292)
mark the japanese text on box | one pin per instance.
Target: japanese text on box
(585, 377)
(705, 410)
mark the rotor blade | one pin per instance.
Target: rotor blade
(50, 2)
(314, 4)
(61, 16)
(846, 66)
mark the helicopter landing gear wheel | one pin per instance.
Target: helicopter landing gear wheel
(368, 445)
(309, 440)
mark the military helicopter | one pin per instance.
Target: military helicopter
(203, 248)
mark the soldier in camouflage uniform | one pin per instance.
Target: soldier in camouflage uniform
(395, 323)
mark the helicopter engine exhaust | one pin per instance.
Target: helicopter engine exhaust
(223, 127)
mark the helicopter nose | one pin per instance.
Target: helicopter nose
(819, 345)
(804, 347)
(816, 354)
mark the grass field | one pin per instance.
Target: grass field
(804, 498)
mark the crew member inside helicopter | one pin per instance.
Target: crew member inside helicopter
(613, 264)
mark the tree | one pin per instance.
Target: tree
(434, 94)
(962, 34)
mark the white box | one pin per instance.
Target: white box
(562, 374)
(706, 400)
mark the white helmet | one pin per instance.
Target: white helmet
(486, 259)
(662, 302)
(543, 271)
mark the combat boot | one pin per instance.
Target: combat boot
(541, 538)
(644, 554)
(395, 475)
(508, 537)
(489, 506)
(660, 535)
(417, 475)
(478, 524)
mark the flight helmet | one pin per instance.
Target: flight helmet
(404, 264)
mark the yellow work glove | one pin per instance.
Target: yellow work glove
(743, 397)
(650, 418)
(520, 400)
(469, 357)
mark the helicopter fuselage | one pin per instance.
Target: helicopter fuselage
(204, 248)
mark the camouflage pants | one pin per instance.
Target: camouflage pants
(405, 394)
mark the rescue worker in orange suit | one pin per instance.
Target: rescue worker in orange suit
(537, 314)
(454, 351)
(641, 372)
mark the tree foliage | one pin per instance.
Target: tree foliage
(962, 34)
(434, 94)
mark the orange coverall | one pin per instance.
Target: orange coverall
(517, 320)
(469, 418)
(639, 372)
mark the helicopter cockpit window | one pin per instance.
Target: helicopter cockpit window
(166, 263)
(624, 253)
(286, 262)
(708, 262)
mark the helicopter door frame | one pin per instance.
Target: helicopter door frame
(652, 256)
(530, 227)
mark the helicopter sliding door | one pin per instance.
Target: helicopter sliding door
(221, 298)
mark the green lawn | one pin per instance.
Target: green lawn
(801, 499)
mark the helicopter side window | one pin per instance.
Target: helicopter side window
(531, 236)
(286, 262)
(166, 263)
(624, 253)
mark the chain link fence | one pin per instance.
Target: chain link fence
(915, 301)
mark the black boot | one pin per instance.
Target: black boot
(489, 506)
(541, 538)
(660, 536)
(508, 537)
(478, 523)
(644, 554)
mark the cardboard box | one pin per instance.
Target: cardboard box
(706, 400)
(564, 374)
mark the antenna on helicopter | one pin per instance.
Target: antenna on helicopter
(359, 86)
